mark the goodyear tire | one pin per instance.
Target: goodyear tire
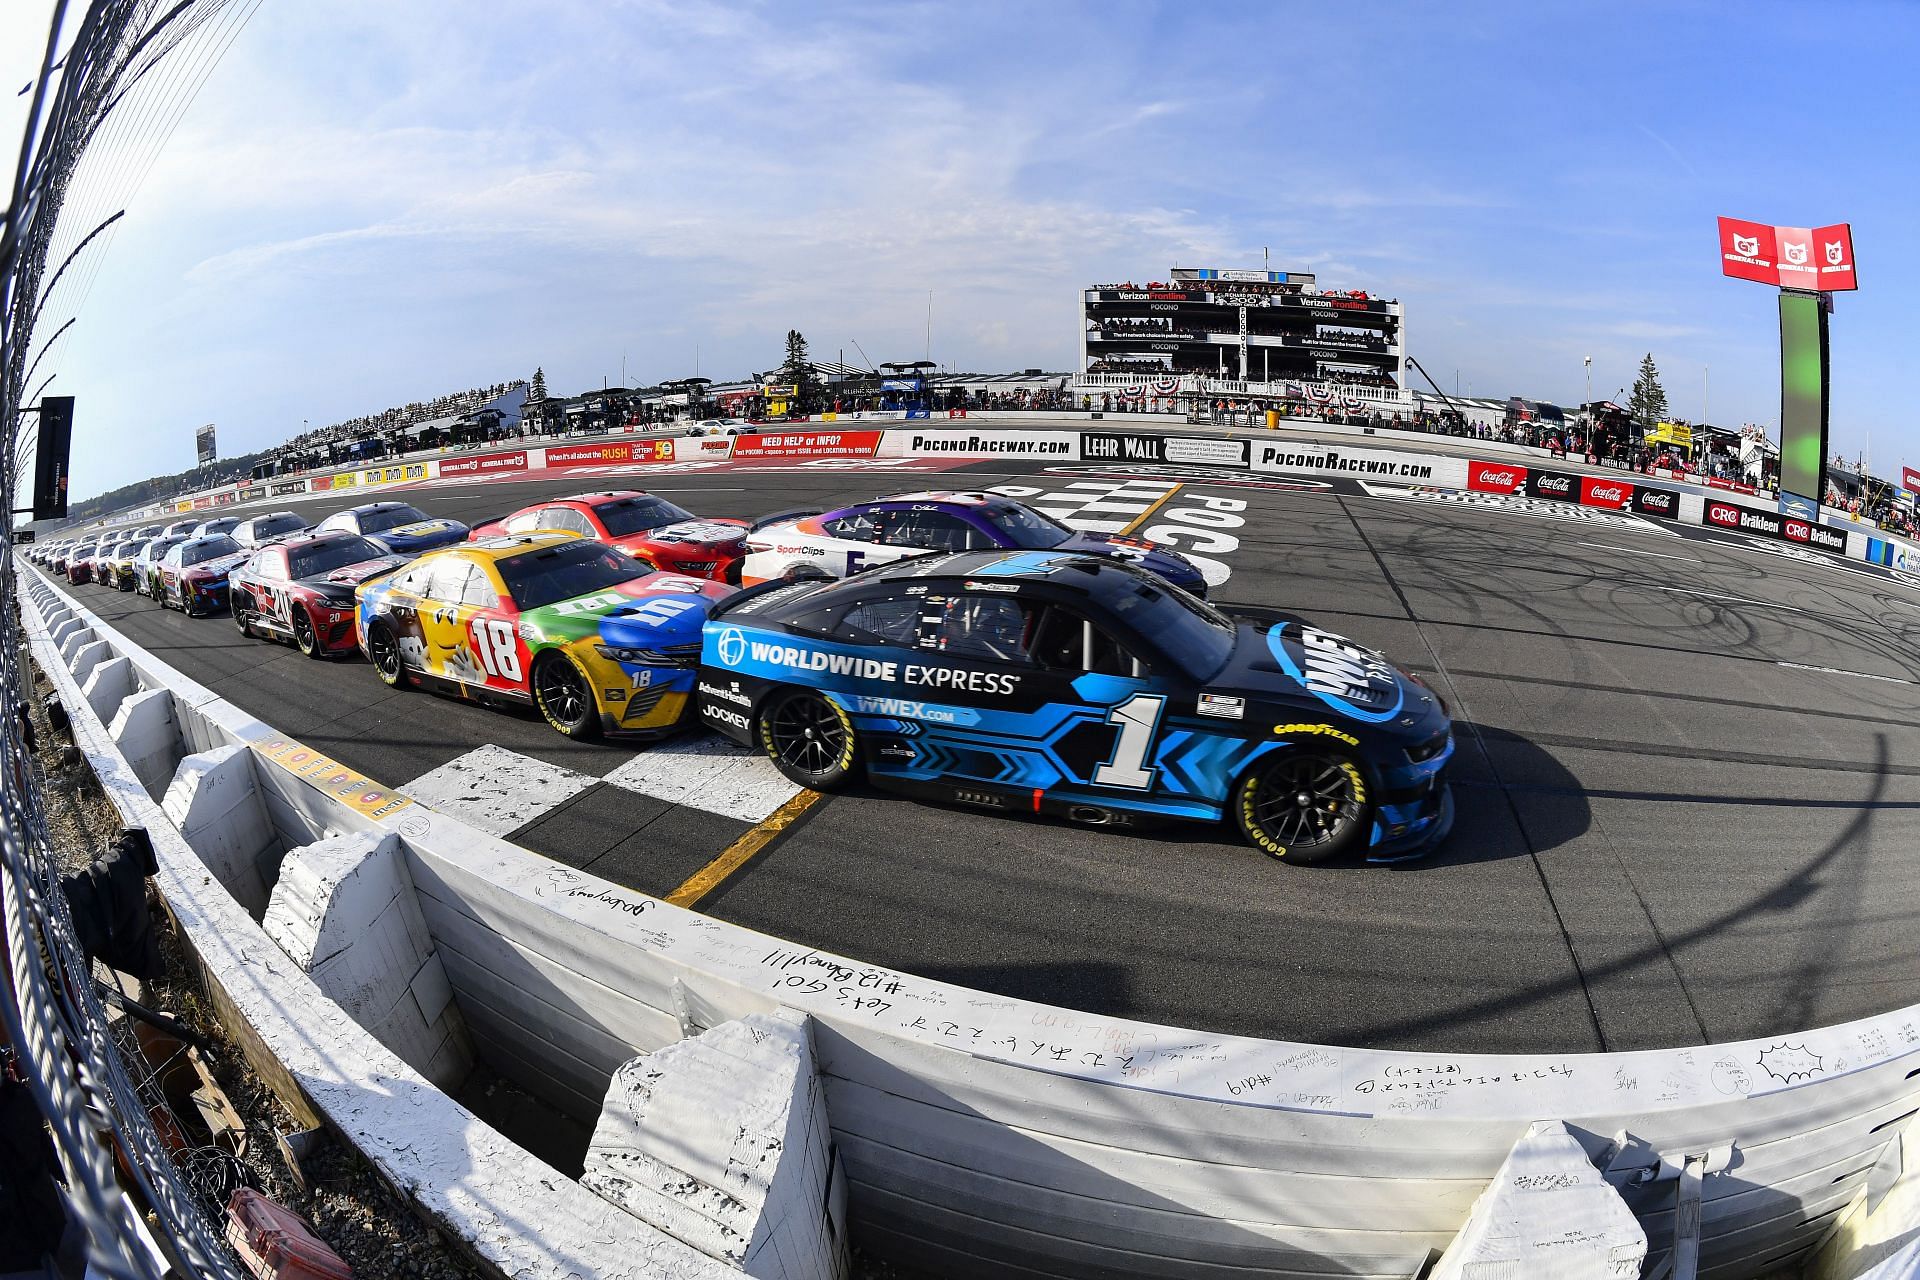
(384, 652)
(241, 617)
(304, 637)
(809, 739)
(1304, 806)
(564, 696)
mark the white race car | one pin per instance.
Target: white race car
(844, 541)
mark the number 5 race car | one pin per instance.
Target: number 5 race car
(1065, 684)
(585, 634)
(842, 543)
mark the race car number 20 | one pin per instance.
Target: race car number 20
(493, 640)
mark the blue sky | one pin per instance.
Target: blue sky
(371, 203)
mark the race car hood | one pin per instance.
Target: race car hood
(339, 583)
(702, 533)
(657, 610)
(218, 567)
(421, 535)
(1175, 568)
(1300, 669)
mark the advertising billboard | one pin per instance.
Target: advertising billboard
(203, 444)
(1803, 403)
(1819, 259)
(50, 458)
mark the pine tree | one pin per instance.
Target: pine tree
(1648, 402)
(797, 370)
(538, 391)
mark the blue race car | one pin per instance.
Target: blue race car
(850, 540)
(1068, 684)
(398, 527)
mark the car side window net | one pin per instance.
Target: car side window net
(1064, 641)
(992, 627)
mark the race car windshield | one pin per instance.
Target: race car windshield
(328, 556)
(634, 515)
(536, 579)
(209, 549)
(272, 525)
(1192, 633)
(1026, 528)
(381, 521)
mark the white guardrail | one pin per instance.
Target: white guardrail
(953, 1129)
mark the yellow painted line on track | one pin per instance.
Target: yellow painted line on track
(701, 884)
(1146, 515)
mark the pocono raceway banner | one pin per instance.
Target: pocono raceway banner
(1242, 453)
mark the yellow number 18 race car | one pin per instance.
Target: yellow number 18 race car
(588, 635)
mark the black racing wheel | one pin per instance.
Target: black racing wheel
(303, 634)
(242, 618)
(384, 652)
(561, 691)
(1304, 806)
(809, 739)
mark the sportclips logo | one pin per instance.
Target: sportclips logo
(1274, 458)
(992, 445)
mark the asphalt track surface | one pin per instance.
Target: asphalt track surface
(1688, 785)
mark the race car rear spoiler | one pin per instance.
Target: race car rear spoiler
(767, 588)
(778, 516)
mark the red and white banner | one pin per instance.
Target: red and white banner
(1910, 480)
(1604, 491)
(485, 464)
(1495, 477)
(807, 444)
(1819, 258)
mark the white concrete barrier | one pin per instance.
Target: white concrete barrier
(343, 909)
(721, 1140)
(980, 1133)
(514, 1214)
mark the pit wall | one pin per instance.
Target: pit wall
(1409, 458)
(980, 1133)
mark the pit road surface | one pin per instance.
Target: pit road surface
(1687, 779)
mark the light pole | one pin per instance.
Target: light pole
(1589, 362)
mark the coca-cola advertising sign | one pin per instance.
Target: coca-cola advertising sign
(1495, 477)
(1562, 485)
(1602, 491)
(1663, 504)
(1815, 258)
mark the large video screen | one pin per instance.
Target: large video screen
(1803, 395)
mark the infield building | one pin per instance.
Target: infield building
(1259, 327)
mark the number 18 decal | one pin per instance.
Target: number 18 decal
(493, 640)
(1136, 718)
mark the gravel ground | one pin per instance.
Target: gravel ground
(348, 1205)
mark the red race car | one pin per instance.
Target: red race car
(649, 529)
(301, 589)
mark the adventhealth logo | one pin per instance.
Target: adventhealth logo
(732, 646)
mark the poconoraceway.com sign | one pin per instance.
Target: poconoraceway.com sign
(1055, 446)
(1380, 464)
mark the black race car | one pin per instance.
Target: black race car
(1064, 683)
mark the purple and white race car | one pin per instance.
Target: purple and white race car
(842, 542)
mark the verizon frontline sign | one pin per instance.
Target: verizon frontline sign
(1813, 258)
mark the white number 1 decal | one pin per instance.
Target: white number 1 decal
(493, 641)
(1136, 718)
